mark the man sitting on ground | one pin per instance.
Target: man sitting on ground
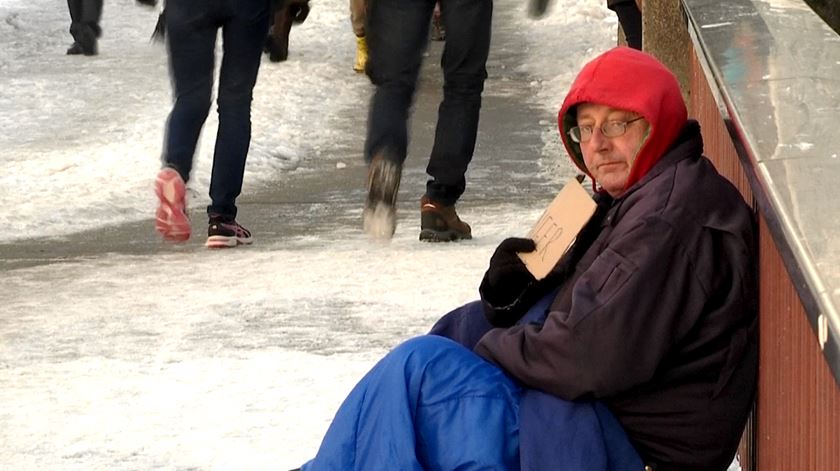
(640, 348)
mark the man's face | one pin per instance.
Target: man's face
(609, 159)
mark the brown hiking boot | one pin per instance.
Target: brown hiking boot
(380, 213)
(439, 223)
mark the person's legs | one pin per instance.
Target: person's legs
(430, 404)
(358, 16)
(467, 24)
(75, 8)
(396, 37)
(84, 26)
(397, 31)
(281, 17)
(191, 38)
(93, 15)
(630, 19)
(358, 19)
(243, 36)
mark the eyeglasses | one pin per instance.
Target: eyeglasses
(608, 129)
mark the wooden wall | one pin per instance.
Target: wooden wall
(796, 424)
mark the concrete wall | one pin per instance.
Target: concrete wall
(664, 35)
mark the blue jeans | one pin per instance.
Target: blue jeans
(397, 32)
(191, 28)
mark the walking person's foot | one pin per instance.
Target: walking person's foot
(380, 212)
(439, 223)
(361, 54)
(88, 40)
(171, 219)
(75, 49)
(224, 232)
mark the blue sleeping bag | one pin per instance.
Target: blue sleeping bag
(554, 434)
(432, 404)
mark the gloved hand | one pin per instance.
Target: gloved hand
(299, 10)
(506, 280)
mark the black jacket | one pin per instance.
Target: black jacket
(657, 318)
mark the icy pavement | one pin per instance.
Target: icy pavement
(119, 352)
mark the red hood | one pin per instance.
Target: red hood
(630, 80)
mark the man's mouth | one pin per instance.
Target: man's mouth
(609, 164)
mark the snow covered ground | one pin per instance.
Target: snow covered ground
(196, 359)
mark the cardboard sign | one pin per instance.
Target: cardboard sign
(558, 227)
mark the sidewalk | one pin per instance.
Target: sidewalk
(121, 352)
(504, 172)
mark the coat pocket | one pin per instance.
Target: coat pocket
(600, 284)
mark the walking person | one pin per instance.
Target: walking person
(397, 34)
(84, 26)
(191, 29)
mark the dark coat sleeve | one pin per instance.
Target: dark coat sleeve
(632, 304)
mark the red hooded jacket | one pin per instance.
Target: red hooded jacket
(623, 78)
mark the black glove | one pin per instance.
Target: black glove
(299, 10)
(505, 281)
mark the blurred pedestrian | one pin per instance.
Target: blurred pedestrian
(191, 30)
(84, 26)
(283, 14)
(358, 18)
(630, 19)
(438, 31)
(397, 34)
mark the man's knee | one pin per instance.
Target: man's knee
(424, 347)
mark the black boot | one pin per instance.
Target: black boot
(75, 49)
(87, 40)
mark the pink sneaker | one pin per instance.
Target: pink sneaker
(171, 216)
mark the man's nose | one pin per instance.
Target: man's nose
(598, 140)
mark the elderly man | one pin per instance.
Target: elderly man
(638, 349)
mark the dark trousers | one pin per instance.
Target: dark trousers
(397, 33)
(630, 19)
(191, 28)
(84, 14)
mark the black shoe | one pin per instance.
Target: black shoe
(91, 48)
(439, 223)
(87, 40)
(226, 232)
(380, 213)
(75, 49)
